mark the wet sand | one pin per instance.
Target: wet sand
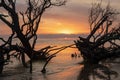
(71, 73)
(67, 74)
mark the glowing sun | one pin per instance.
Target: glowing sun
(66, 32)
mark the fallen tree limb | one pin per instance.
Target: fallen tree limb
(53, 55)
(103, 40)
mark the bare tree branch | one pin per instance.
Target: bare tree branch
(99, 43)
(24, 26)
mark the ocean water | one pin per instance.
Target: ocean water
(15, 71)
(61, 67)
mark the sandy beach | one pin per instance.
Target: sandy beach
(67, 74)
(71, 73)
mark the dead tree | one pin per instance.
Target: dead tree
(24, 25)
(102, 41)
(54, 55)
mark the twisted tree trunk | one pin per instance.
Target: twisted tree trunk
(102, 32)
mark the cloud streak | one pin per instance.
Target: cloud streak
(72, 16)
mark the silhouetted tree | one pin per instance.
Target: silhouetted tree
(23, 26)
(102, 41)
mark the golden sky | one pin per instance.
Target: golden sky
(71, 18)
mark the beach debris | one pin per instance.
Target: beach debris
(103, 40)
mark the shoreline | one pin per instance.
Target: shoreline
(71, 73)
(68, 74)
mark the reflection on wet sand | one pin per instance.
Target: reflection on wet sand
(62, 71)
(97, 72)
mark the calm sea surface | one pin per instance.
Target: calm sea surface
(62, 61)
(59, 63)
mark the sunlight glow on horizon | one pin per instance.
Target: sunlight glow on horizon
(66, 32)
(69, 19)
(62, 26)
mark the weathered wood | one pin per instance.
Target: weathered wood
(1, 61)
(103, 31)
(25, 30)
(54, 55)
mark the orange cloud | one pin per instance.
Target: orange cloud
(71, 18)
(55, 26)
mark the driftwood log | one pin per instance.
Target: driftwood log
(57, 50)
(23, 26)
(103, 41)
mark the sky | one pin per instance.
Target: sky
(71, 18)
